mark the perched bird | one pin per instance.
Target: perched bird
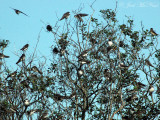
(12, 74)
(44, 115)
(84, 61)
(22, 58)
(65, 15)
(59, 97)
(80, 72)
(93, 41)
(109, 48)
(153, 32)
(25, 47)
(35, 69)
(83, 54)
(25, 83)
(107, 73)
(55, 50)
(49, 28)
(3, 56)
(31, 112)
(122, 65)
(140, 85)
(26, 102)
(148, 63)
(151, 89)
(79, 16)
(121, 43)
(18, 11)
(133, 97)
(110, 43)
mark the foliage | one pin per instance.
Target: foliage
(88, 78)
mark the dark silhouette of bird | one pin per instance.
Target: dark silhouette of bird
(107, 73)
(121, 43)
(140, 85)
(55, 50)
(35, 69)
(153, 32)
(18, 11)
(49, 28)
(12, 74)
(148, 63)
(79, 16)
(3, 56)
(22, 58)
(130, 98)
(65, 15)
(109, 48)
(25, 47)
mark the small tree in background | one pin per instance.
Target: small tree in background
(100, 70)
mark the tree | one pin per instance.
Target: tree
(95, 74)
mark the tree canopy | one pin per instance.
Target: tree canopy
(100, 69)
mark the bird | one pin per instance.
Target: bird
(151, 89)
(153, 32)
(110, 43)
(65, 15)
(121, 43)
(83, 54)
(84, 61)
(22, 58)
(55, 50)
(12, 74)
(25, 47)
(140, 85)
(133, 97)
(80, 72)
(3, 56)
(107, 73)
(80, 15)
(109, 48)
(35, 69)
(122, 65)
(31, 112)
(44, 115)
(93, 41)
(49, 28)
(18, 11)
(148, 63)
(26, 102)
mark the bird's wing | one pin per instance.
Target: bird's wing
(24, 13)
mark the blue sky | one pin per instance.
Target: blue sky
(19, 29)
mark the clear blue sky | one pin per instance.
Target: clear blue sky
(20, 29)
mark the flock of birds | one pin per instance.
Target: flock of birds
(65, 15)
(81, 59)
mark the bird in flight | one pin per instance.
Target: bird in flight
(65, 15)
(80, 15)
(153, 32)
(18, 12)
